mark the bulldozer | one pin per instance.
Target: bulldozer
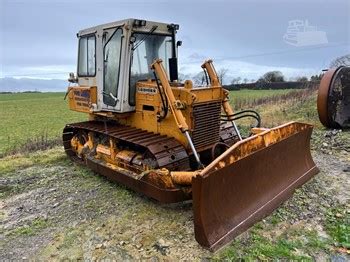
(172, 141)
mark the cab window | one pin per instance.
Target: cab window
(87, 56)
(149, 48)
(112, 56)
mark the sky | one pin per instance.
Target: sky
(38, 38)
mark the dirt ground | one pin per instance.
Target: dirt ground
(52, 209)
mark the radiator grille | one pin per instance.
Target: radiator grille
(206, 117)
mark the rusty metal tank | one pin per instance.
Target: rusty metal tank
(333, 101)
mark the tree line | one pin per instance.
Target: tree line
(267, 79)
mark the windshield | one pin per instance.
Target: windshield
(153, 47)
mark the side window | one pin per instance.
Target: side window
(87, 49)
(112, 53)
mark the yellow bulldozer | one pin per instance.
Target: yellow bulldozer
(173, 141)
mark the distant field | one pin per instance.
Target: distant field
(246, 98)
(32, 115)
(255, 94)
(277, 106)
(43, 115)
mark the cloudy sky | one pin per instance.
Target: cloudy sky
(38, 38)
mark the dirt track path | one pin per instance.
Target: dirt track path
(53, 209)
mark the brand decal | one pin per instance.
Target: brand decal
(147, 90)
(82, 98)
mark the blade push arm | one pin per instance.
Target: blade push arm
(175, 105)
(214, 81)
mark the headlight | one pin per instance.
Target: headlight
(138, 23)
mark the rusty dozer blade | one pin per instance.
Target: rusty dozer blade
(250, 180)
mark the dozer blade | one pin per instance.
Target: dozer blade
(249, 180)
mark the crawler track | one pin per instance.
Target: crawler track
(167, 152)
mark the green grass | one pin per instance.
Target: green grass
(245, 98)
(30, 117)
(302, 109)
(11, 163)
(33, 116)
(294, 246)
(275, 107)
(29, 230)
(338, 226)
(254, 94)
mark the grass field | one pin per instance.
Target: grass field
(34, 116)
(247, 94)
(28, 117)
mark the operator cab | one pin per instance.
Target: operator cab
(115, 56)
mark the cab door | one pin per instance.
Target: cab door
(112, 47)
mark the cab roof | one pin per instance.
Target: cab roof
(162, 27)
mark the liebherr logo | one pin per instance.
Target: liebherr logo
(147, 90)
